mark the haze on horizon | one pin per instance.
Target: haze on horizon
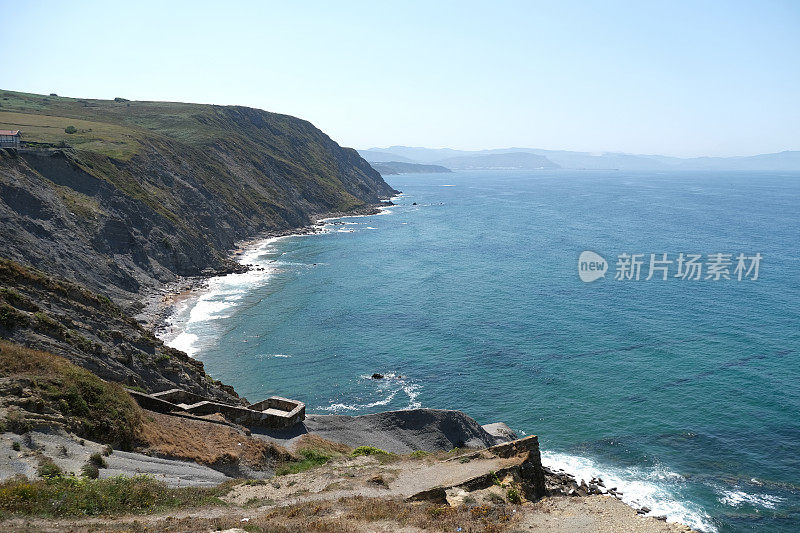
(679, 78)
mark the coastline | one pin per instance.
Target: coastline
(160, 303)
(168, 301)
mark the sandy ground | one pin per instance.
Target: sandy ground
(599, 514)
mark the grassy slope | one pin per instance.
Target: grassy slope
(91, 407)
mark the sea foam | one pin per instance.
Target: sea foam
(640, 487)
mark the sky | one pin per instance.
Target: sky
(677, 78)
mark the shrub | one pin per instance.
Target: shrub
(310, 459)
(90, 471)
(369, 450)
(513, 495)
(98, 460)
(45, 322)
(70, 129)
(17, 423)
(48, 469)
(102, 411)
(10, 318)
(15, 446)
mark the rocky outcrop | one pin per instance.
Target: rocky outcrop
(62, 318)
(403, 431)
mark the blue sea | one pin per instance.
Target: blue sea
(683, 393)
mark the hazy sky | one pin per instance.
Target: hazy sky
(677, 78)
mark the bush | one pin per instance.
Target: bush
(513, 495)
(10, 318)
(90, 471)
(310, 459)
(17, 423)
(48, 469)
(98, 460)
(15, 446)
(103, 411)
(369, 450)
(70, 129)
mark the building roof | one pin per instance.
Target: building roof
(9, 132)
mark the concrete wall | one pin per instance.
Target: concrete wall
(289, 412)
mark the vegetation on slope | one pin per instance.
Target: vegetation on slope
(89, 330)
(208, 443)
(43, 385)
(65, 496)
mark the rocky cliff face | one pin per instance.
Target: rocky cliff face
(168, 192)
(91, 331)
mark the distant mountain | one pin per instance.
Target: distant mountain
(383, 157)
(507, 161)
(782, 161)
(399, 167)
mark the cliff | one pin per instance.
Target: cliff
(89, 330)
(142, 192)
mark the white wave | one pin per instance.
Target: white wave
(185, 342)
(356, 407)
(640, 487)
(737, 498)
(447, 185)
(390, 382)
(272, 355)
(189, 321)
(369, 227)
(218, 299)
(413, 392)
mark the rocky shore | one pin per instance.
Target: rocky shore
(159, 303)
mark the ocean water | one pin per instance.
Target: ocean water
(685, 394)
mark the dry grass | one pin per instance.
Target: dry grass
(361, 514)
(207, 443)
(346, 515)
(315, 442)
(109, 139)
(96, 409)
